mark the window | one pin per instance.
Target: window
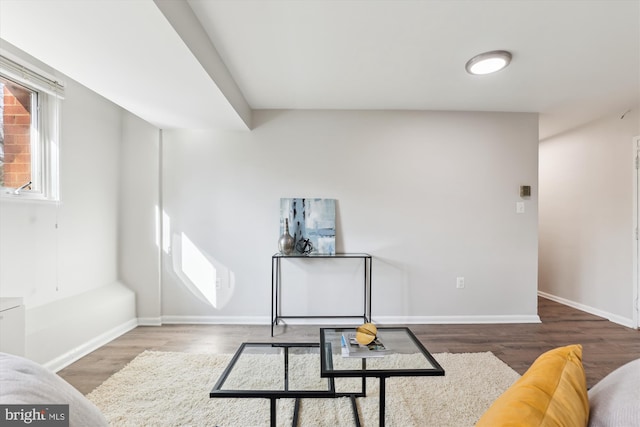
(29, 128)
(18, 118)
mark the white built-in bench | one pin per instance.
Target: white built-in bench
(61, 332)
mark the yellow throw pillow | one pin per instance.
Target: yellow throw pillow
(553, 392)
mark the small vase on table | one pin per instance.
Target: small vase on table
(286, 242)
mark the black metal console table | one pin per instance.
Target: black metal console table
(276, 278)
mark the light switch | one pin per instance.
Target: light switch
(519, 207)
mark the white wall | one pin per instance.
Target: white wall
(47, 265)
(42, 263)
(138, 252)
(431, 195)
(586, 216)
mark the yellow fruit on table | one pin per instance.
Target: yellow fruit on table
(365, 334)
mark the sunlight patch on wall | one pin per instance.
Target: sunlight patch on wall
(163, 230)
(166, 232)
(198, 269)
(202, 275)
(156, 213)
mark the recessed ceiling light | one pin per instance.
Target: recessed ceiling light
(488, 62)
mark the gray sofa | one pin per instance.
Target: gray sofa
(615, 400)
(25, 382)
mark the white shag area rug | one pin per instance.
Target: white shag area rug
(172, 389)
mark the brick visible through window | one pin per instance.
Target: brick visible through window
(15, 137)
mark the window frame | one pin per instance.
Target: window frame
(48, 94)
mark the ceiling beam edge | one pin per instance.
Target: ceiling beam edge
(188, 27)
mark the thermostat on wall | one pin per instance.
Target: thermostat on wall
(525, 191)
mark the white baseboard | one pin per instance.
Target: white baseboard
(71, 356)
(215, 320)
(591, 310)
(381, 320)
(149, 321)
(444, 320)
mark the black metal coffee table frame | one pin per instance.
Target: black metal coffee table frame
(401, 340)
(285, 393)
(330, 345)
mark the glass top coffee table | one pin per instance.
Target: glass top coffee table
(405, 357)
(275, 371)
(309, 370)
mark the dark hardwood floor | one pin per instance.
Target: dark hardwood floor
(606, 345)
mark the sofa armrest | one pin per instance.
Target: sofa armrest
(615, 400)
(24, 382)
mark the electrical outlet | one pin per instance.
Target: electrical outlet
(460, 282)
(218, 281)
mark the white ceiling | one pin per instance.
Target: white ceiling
(573, 60)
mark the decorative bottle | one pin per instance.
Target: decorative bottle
(286, 242)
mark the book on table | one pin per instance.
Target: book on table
(351, 347)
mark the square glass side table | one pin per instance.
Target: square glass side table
(405, 357)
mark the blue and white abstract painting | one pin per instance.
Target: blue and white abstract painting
(312, 223)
